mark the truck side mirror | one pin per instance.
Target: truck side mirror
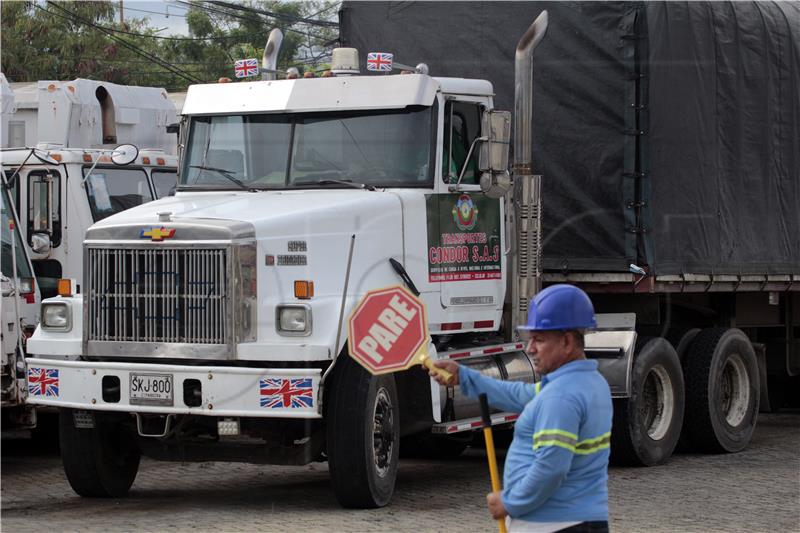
(40, 242)
(42, 210)
(495, 180)
(124, 154)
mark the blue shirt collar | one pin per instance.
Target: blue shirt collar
(581, 365)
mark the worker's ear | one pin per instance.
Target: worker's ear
(570, 342)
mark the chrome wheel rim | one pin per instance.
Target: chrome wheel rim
(658, 403)
(734, 390)
(383, 434)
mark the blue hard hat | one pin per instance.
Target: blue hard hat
(560, 307)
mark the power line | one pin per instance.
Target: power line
(123, 42)
(324, 9)
(156, 12)
(240, 17)
(279, 16)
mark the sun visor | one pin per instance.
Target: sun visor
(318, 94)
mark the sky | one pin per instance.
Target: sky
(162, 14)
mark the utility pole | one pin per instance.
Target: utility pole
(121, 15)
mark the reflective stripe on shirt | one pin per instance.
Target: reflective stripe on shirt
(569, 441)
(585, 447)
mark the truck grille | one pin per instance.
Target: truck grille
(164, 295)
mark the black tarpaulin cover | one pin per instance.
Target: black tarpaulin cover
(668, 134)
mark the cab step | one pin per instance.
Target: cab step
(470, 424)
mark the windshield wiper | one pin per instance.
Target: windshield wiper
(346, 183)
(227, 174)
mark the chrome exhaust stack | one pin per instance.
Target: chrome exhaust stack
(523, 95)
(269, 61)
(526, 264)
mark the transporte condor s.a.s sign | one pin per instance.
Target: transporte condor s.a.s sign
(463, 237)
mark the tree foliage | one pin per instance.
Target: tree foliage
(66, 40)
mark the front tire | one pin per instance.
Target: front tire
(722, 387)
(100, 462)
(647, 425)
(363, 436)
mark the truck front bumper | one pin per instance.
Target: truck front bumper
(193, 390)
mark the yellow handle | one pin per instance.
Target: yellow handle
(492, 458)
(427, 362)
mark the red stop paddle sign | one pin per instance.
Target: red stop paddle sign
(388, 330)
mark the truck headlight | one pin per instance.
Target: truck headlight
(293, 320)
(56, 317)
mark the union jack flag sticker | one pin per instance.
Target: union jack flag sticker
(43, 382)
(286, 393)
(245, 68)
(379, 61)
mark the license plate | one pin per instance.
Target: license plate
(151, 389)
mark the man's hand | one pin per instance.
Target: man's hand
(496, 507)
(450, 366)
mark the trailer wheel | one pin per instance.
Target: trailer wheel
(722, 389)
(99, 462)
(647, 425)
(363, 436)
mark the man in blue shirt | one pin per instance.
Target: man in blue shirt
(556, 470)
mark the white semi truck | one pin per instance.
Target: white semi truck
(68, 176)
(64, 171)
(212, 325)
(19, 309)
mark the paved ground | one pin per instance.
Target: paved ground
(756, 490)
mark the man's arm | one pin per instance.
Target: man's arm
(506, 395)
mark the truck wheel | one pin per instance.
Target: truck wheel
(99, 462)
(647, 425)
(722, 389)
(363, 436)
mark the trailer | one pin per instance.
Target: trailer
(666, 134)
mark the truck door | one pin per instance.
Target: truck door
(466, 242)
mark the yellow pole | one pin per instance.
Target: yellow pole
(490, 455)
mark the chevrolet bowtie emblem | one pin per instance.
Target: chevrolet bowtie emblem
(157, 234)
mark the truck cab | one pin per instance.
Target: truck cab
(62, 191)
(217, 318)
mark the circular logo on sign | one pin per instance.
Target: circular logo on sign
(465, 214)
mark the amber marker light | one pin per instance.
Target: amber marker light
(145, 160)
(303, 290)
(87, 158)
(65, 287)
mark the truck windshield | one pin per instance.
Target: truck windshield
(111, 190)
(376, 148)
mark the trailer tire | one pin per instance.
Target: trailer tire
(647, 425)
(722, 388)
(363, 436)
(99, 462)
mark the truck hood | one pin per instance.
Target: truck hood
(285, 212)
